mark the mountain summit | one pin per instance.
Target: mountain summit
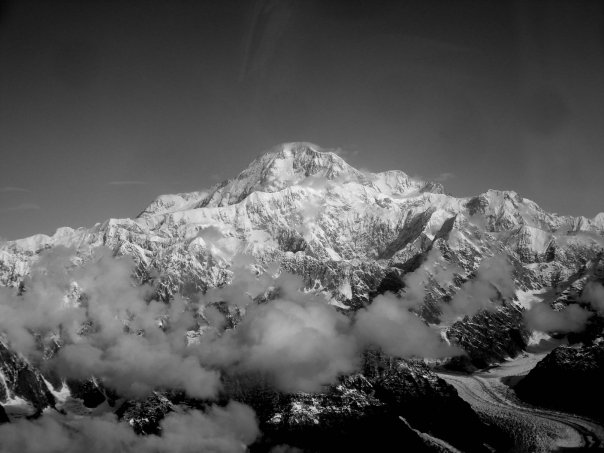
(284, 166)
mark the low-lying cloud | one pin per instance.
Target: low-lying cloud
(544, 318)
(593, 293)
(107, 325)
(110, 328)
(571, 318)
(226, 429)
(434, 268)
(388, 324)
(493, 283)
(303, 343)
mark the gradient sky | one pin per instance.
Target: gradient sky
(106, 104)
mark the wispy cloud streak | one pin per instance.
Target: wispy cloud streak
(9, 189)
(444, 177)
(21, 207)
(126, 183)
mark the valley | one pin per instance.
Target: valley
(533, 428)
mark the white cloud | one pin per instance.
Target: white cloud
(594, 295)
(297, 340)
(124, 344)
(544, 318)
(493, 283)
(388, 324)
(227, 429)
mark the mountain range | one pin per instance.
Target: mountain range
(472, 269)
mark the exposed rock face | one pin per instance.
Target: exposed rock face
(391, 404)
(3, 417)
(365, 429)
(569, 379)
(144, 416)
(19, 378)
(340, 418)
(91, 392)
(573, 291)
(489, 337)
(428, 403)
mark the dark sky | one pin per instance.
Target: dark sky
(106, 104)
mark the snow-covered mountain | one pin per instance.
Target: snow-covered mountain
(351, 235)
(340, 228)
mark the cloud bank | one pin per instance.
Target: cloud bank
(544, 318)
(303, 343)
(493, 283)
(594, 295)
(108, 327)
(388, 324)
(571, 318)
(226, 429)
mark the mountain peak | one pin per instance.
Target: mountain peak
(283, 166)
(287, 165)
(304, 158)
(296, 148)
(300, 159)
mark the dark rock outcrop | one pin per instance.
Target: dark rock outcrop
(23, 380)
(430, 405)
(568, 379)
(145, 415)
(3, 417)
(92, 392)
(346, 418)
(392, 404)
(489, 337)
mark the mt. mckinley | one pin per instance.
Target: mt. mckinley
(485, 273)
(340, 228)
